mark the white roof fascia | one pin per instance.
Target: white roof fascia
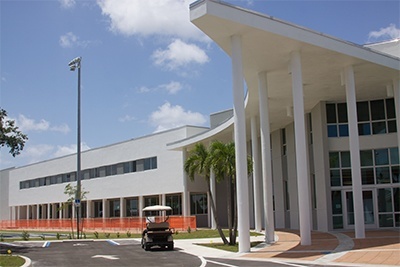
(282, 28)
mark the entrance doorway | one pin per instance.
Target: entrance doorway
(369, 207)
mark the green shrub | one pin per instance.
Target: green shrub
(189, 230)
(1, 237)
(58, 236)
(96, 234)
(107, 235)
(128, 234)
(25, 235)
(117, 234)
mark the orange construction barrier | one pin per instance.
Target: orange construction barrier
(132, 224)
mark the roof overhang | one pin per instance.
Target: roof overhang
(267, 44)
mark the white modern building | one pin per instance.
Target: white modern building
(320, 117)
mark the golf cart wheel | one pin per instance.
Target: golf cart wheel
(171, 247)
(146, 247)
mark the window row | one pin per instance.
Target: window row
(379, 166)
(373, 117)
(93, 173)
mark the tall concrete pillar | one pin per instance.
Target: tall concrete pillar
(302, 166)
(257, 175)
(266, 159)
(348, 80)
(240, 145)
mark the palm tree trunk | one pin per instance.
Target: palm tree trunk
(236, 214)
(214, 210)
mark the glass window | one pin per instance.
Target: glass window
(335, 178)
(127, 167)
(367, 176)
(377, 110)
(395, 174)
(346, 177)
(86, 174)
(114, 206)
(362, 111)
(390, 109)
(132, 207)
(379, 127)
(386, 220)
(146, 164)
(337, 202)
(154, 162)
(332, 131)
(392, 127)
(385, 200)
(198, 203)
(133, 166)
(334, 159)
(98, 208)
(140, 165)
(364, 128)
(330, 113)
(120, 168)
(151, 201)
(102, 171)
(108, 170)
(113, 169)
(366, 158)
(394, 155)
(94, 173)
(343, 130)
(337, 222)
(396, 199)
(174, 201)
(345, 159)
(342, 112)
(381, 157)
(382, 175)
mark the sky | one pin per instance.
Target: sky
(145, 67)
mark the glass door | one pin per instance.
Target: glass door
(368, 206)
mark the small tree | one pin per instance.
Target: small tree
(10, 136)
(70, 191)
(198, 162)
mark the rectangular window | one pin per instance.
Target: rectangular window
(132, 207)
(330, 113)
(377, 110)
(140, 165)
(390, 109)
(362, 111)
(175, 202)
(198, 204)
(151, 200)
(381, 157)
(114, 208)
(366, 158)
(120, 168)
(127, 167)
(342, 112)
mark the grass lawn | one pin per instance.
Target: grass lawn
(222, 246)
(11, 261)
(52, 235)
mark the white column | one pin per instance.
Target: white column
(122, 209)
(49, 205)
(213, 190)
(185, 193)
(141, 206)
(301, 150)
(104, 208)
(89, 210)
(348, 75)
(240, 145)
(266, 159)
(163, 201)
(257, 184)
(38, 215)
(396, 93)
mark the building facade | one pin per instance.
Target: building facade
(320, 118)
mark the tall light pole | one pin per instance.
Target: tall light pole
(76, 64)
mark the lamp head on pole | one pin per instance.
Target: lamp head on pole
(75, 63)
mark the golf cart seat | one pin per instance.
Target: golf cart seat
(157, 226)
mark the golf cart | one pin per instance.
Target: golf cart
(157, 231)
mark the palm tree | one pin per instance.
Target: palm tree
(198, 162)
(222, 158)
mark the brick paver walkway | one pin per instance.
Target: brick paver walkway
(379, 247)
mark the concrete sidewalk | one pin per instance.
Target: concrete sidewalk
(379, 248)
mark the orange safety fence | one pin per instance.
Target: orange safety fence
(132, 224)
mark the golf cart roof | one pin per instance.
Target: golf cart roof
(157, 208)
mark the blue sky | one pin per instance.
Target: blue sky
(145, 67)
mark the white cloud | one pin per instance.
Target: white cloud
(179, 54)
(147, 18)
(36, 153)
(67, 3)
(168, 117)
(388, 33)
(26, 124)
(70, 40)
(171, 88)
